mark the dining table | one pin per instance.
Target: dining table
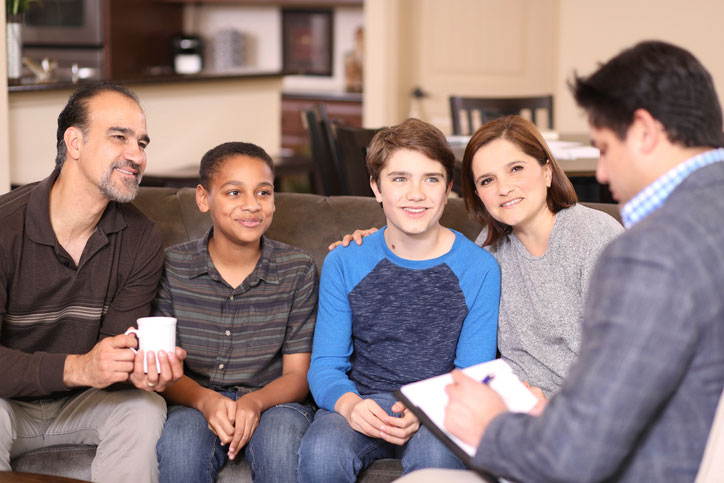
(574, 153)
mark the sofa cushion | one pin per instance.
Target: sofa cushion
(68, 460)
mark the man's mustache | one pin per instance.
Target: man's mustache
(129, 164)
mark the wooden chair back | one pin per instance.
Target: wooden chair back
(489, 108)
(322, 151)
(352, 143)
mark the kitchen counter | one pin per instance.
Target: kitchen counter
(323, 95)
(27, 84)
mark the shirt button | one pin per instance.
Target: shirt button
(221, 366)
(231, 297)
(228, 333)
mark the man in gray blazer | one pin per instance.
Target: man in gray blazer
(639, 402)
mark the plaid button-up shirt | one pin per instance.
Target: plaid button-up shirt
(654, 195)
(236, 336)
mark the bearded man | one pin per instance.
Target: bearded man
(78, 266)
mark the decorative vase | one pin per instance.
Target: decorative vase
(15, 46)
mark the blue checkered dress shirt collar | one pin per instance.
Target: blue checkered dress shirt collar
(654, 195)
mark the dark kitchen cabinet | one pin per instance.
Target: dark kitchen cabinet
(137, 37)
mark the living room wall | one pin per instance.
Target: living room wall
(516, 48)
(590, 32)
(464, 47)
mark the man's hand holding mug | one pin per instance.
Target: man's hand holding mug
(158, 362)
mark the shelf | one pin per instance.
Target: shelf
(172, 78)
(280, 3)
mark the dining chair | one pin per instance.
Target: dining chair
(322, 150)
(352, 143)
(490, 108)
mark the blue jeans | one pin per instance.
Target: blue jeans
(333, 452)
(189, 451)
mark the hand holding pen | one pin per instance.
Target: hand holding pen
(472, 404)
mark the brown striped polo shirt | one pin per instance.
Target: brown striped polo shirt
(49, 307)
(235, 337)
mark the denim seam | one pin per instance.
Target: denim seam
(210, 460)
(295, 407)
(375, 444)
(251, 460)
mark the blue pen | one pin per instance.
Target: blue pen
(488, 378)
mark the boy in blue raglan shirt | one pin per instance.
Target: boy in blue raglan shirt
(414, 301)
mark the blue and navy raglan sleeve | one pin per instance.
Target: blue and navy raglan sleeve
(332, 345)
(479, 276)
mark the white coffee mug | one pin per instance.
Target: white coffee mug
(155, 334)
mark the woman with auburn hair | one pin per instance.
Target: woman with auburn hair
(546, 245)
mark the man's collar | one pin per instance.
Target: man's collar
(655, 194)
(37, 217)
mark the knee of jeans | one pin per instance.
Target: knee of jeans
(185, 428)
(313, 447)
(424, 450)
(296, 416)
(187, 450)
(281, 427)
(183, 450)
(319, 446)
(322, 457)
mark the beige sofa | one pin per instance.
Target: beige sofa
(310, 222)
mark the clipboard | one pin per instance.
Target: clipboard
(427, 400)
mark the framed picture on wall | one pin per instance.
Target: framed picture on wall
(307, 42)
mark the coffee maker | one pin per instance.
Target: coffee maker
(188, 56)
